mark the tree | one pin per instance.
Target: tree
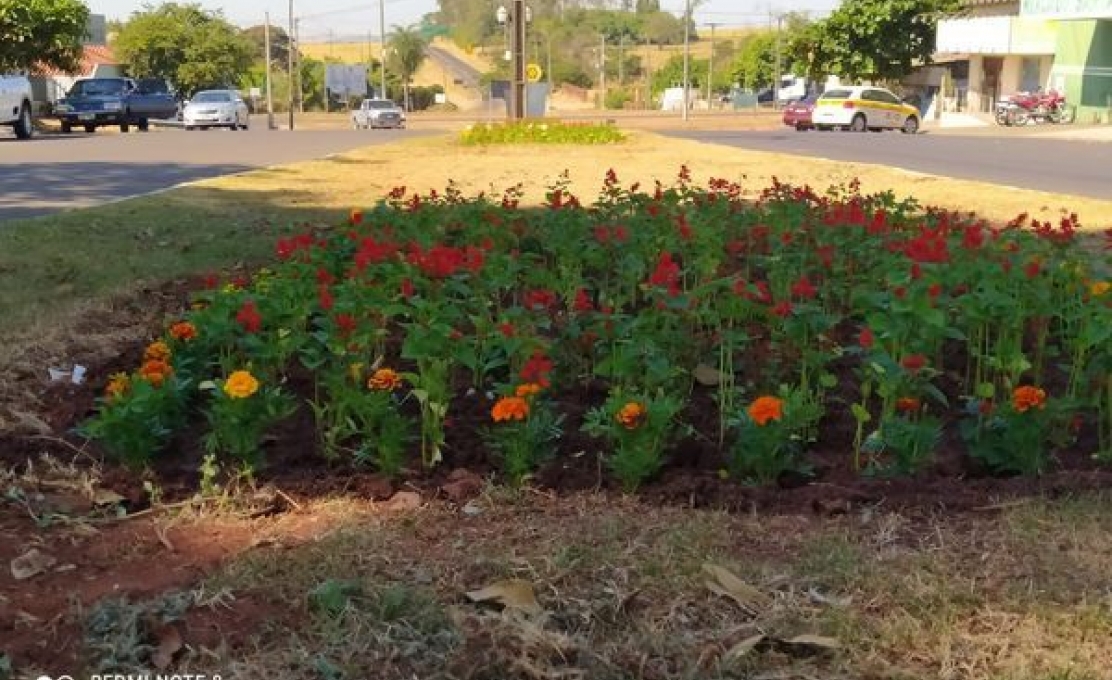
(41, 33)
(879, 39)
(190, 47)
(279, 44)
(661, 28)
(406, 53)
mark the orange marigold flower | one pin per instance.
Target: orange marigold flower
(155, 371)
(384, 379)
(631, 415)
(157, 351)
(764, 409)
(183, 331)
(509, 408)
(1027, 397)
(907, 404)
(1099, 288)
(240, 385)
(118, 385)
(527, 390)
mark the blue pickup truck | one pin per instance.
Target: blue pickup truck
(97, 102)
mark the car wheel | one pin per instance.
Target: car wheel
(189, 128)
(23, 126)
(124, 127)
(90, 128)
(800, 128)
(144, 125)
(246, 123)
(910, 126)
(66, 128)
(858, 124)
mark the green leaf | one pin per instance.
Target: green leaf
(860, 413)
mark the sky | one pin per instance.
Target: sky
(338, 19)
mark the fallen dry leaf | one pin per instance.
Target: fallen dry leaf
(816, 643)
(107, 497)
(743, 648)
(169, 643)
(31, 563)
(723, 582)
(512, 594)
(707, 376)
(403, 500)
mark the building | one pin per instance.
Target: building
(996, 47)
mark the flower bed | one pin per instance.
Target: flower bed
(641, 328)
(541, 132)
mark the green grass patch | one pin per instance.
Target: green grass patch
(542, 132)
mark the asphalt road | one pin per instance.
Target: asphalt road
(462, 72)
(1080, 168)
(55, 172)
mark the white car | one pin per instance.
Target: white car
(216, 108)
(15, 105)
(378, 113)
(864, 107)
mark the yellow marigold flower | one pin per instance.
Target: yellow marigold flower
(510, 408)
(765, 409)
(1099, 288)
(384, 379)
(118, 384)
(155, 371)
(183, 331)
(527, 390)
(356, 371)
(240, 385)
(1026, 397)
(157, 351)
(631, 415)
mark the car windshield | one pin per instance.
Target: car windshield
(212, 97)
(378, 104)
(836, 94)
(98, 88)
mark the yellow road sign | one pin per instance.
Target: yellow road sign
(533, 72)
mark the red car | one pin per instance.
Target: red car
(797, 114)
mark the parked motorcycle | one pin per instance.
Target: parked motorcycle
(1038, 106)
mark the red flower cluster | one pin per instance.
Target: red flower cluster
(249, 318)
(287, 247)
(441, 262)
(373, 252)
(541, 299)
(929, 246)
(804, 289)
(537, 368)
(582, 301)
(666, 274)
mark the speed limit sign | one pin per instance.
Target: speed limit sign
(533, 73)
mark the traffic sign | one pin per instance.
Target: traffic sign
(533, 73)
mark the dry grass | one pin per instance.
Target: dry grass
(623, 594)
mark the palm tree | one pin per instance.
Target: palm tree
(407, 53)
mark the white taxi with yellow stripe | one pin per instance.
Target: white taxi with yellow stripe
(864, 107)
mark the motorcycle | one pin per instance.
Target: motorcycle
(1039, 106)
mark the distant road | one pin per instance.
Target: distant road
(459, 69)
(50, 173)
(1080, 168)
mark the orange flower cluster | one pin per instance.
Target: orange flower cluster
(156, 371)
(510, 408)
(907, 404)
(1027, 397)
(527, 390)
(631, 415)
(157, 351)
(183, 331)
(384, 380)
(766, 409)
(118, 385)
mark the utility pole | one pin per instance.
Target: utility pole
(602, 67)
(776, 85)
(289, 55)
(621, 59)
(710, 67)
(686, 54)
(519, 18)
(382, 38)
(300, 92)
(269, 94)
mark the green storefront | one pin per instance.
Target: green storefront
(1083, 53)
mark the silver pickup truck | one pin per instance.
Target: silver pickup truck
(378, 113)
(15, 105)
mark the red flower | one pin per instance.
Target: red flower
(916, 271)
(934, 290)
(407, 288)
(900, 292)
(914, 362)
(866, 339)
(804, 289)
(1032, 269)
(540, 299)
(507, 330)
(346, 323)
(621, 234)
(973, 237)
(602, 235)
(782, 309)
(582, 301)
(666, 274)
(249, 318)
(537, 368)
(684, 227)
(325, 277)
(326, 299)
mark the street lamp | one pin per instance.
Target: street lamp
(516, 18)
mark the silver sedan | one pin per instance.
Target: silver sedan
(216, 108)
